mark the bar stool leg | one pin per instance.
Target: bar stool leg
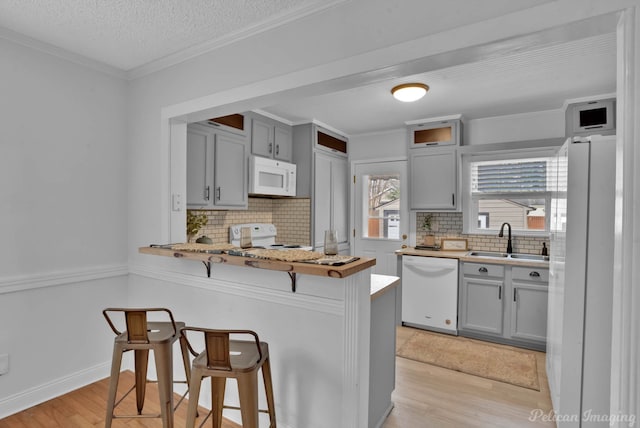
(268, 387)
(116, 362)
(248, 391)
(185, 358)
(194, 393)
(164, 366)
(141, 357)
(218, 385)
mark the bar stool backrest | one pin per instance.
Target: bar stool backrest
(217, 347)
(137, 326)
(136, 322)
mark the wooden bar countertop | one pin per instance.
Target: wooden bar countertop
(330, 271)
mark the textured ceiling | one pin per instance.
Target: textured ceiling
(126, 34)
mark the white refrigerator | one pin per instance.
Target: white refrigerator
(581, 282)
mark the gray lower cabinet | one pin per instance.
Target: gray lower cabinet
(504, 303)
(529, 293)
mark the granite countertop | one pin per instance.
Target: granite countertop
(465, 257)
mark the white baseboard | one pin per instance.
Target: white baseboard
(33, 396)
(53, 279)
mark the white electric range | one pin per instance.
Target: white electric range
(262, 235)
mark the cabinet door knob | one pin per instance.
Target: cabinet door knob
(483, 269)
(534, 274)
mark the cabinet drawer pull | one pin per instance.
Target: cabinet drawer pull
(534, 274)
(483, 269)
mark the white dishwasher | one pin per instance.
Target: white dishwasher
(430, 293)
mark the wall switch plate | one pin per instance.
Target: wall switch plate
(4, 364)
(176, 202)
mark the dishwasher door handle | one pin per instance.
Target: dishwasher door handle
(431, 268)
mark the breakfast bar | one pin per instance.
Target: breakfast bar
(317, 319)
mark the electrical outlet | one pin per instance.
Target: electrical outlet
(4, 364)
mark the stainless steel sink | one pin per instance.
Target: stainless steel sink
(515, 256)
(487, 254)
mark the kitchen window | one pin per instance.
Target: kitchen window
(513, 187)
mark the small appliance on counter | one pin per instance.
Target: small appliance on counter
(434, 247)
(262, 235)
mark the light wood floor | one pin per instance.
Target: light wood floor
(426, 396)
(430, 396)
(86, 408)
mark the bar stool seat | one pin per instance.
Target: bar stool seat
(225, 358)
(143, 336)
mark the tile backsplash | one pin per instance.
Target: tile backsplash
(291, 217)
(449, 225)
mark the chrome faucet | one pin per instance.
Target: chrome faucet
(501, 234)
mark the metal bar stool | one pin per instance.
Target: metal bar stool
(223, 358)
(141, 336)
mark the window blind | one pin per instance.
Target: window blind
(509, 176)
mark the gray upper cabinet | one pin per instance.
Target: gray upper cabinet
(283, 140)
(216, 169)
(270, 138)
(230, 173)
(435, 133)
(433, 179)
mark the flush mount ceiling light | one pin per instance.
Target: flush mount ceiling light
(409, 92)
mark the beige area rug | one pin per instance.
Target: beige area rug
(517, 367)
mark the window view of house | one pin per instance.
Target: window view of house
(383, 214)
(516, 191)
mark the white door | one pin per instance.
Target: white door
(381, 212)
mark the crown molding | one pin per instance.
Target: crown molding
(50, 49)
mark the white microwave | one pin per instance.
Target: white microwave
(271, 177)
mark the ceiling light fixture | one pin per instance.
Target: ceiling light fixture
(409, 92)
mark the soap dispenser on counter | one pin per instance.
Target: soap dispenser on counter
(544, 251)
